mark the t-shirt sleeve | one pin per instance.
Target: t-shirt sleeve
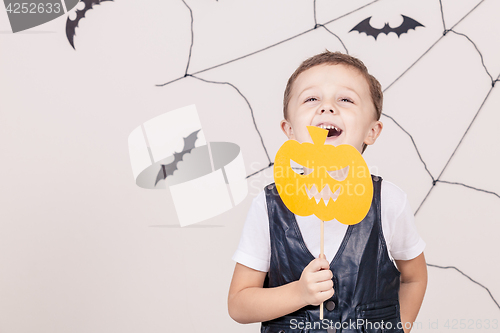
(404, 241)
(254, 249)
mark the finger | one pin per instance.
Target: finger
(318, 264)
(327, 294)
(319, 276)
(324, 275)
(324, 263)
(324, 286)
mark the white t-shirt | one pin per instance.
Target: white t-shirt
(398, 226)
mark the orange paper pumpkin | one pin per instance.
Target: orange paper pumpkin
(339, 184)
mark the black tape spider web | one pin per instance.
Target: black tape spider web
(434, 180)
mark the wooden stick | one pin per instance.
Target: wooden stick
(322, 239)
(321, 253)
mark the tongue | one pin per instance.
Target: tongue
(333, 132)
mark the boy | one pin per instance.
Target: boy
(276, 280)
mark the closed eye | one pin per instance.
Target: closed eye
(296, 167)
(340, 174)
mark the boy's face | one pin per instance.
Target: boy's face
(335, 97)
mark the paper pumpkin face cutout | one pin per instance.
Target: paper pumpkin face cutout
(339, 184)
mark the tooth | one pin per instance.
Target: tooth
(326, 191)
(335, 195)
(313, 192)
(307, 191)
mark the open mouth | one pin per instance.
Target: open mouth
(325, 194)
(333, 131)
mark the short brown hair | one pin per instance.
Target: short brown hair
(336, 58)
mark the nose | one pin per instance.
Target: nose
(327, 106)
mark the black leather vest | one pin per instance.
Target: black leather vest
(365, 280)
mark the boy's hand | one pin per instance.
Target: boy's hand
(316, 283)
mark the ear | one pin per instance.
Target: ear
(374, 132)
(286, 127)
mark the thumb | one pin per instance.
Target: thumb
(325, 264)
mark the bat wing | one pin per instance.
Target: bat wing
(71, 25)
(190, 140)
(162, 174)
(168, 169)
(408, 23)
(365, 26)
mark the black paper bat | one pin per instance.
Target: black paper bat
(71, 25)
(168, 169)
(365, 26)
